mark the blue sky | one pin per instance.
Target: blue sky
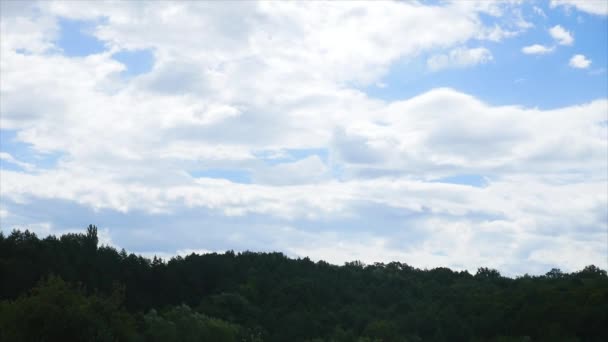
(516, 78)
(458, 134)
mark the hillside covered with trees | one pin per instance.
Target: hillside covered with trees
(69, 288)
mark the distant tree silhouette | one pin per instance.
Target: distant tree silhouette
(72, 289)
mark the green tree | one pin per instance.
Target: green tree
(54, 311)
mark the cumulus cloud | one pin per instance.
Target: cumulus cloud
(561, 35)
(541, 184)
(459, 58)
(536, 49)
(276, 94)
(579, 61)
(420, 135)
(598, 7)
(21, 30)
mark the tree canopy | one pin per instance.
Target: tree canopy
(69, 288)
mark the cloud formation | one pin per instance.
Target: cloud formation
(459, 58)
(536, 49)
(598, 7)
(275, 99)
(561, 35)
(579, 61)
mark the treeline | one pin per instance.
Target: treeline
(69, 288)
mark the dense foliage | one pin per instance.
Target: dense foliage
(71, 289)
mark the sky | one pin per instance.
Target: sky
(458, 134)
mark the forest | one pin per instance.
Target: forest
(71, 288)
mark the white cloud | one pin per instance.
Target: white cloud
(561, 35)
(20, 30)
(497, 33)
(539, 11)
(196, 151)
(419, 135)
(598, 7)
(579, 62)
(459, 58)
(537, 49)
(245, 95)
(417, 138)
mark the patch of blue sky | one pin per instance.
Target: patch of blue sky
(138, 231)
(137, 61)
(512, 77)
(291, 155)
(76, 38)
(464, 179)
(24, 152)
(337, 171)
(233, 175)
(7, 165)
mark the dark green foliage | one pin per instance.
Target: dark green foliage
(56, 312)
(269, 297)
(182, 324)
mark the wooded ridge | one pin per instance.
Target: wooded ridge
(69, 288)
